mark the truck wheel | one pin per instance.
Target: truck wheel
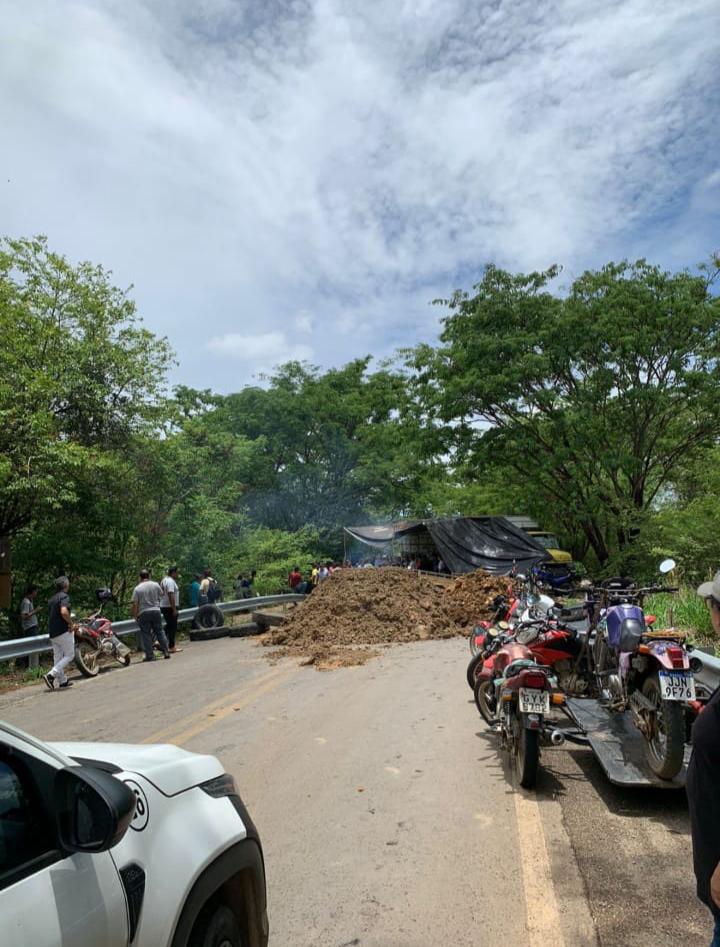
(86, 659)
(219, 929)
(527, 757)
(665, 750)
(474, 662)
(209, 616)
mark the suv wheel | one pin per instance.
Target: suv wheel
(221, 929)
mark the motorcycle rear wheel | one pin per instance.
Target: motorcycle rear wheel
(665, 751)
(86, 659)
(484, 700)
(527, 756)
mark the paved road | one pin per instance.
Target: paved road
(388, 817)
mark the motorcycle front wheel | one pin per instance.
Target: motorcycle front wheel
(485, 700)
(527, 756)
(665, 749)
(473, 644)
(86, 659)
(472, 666)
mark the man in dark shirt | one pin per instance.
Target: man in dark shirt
(62, 634)
(703, 784)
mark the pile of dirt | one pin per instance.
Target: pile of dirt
(359, 608)
(469, 598)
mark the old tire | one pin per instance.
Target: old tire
(244, 631)
(86, 659)
(527, 757)
(209, 616)
(485, 700)
(208, 634)
(665, 752)
(219, 928)
(474, 662)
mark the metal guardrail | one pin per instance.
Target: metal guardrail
(709, 674)
(37, 644)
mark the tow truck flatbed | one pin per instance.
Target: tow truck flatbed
(619, 746)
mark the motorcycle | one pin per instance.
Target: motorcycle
(521, 694)
(644, 670)
(95, 642)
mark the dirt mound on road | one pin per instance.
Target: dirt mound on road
(469, 598)
(357, 608)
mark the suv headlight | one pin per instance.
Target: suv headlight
(220, 786)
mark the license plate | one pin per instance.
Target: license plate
(534, 702)
(680, 686)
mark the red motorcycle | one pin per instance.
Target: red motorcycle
(523, 695)
(95, 641)
(553, 642)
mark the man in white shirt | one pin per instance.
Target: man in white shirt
(169, 606)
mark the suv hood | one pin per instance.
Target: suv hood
(169, 768)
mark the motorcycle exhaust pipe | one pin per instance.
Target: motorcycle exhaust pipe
(557, 738)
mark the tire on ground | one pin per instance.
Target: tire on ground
(242, 631)
(209, 616)
(208, 634)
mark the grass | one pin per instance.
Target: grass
(684, 610)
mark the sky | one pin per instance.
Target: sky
(298, 180)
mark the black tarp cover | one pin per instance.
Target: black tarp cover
(492, 543)
(465, 543)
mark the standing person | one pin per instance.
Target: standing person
(146, 598)
(703, 783)
(169, 606)
(62, 634)
(28, 620)
(194, 596)
(194, 591)
(295, 578)
(208, 588)
(315, 572)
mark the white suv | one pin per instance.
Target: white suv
(105, 845)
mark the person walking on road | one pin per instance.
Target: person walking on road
(62, 634)
(169, 606)
(146, 602)
(703, 783)
(28, 620)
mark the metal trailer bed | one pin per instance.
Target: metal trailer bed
(619, 745)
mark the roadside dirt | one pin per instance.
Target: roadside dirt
(356, 611)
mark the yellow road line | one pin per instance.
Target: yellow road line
(543, 916)
(209, 714)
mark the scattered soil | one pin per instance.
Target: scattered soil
(350, 614)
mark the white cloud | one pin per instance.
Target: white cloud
(246, 164)
(304, 322)
(268, 349)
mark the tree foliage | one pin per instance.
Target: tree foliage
(594, 397)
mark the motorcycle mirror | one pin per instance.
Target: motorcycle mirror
(667, 565)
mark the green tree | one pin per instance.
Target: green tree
(78, 375)
(594, 397)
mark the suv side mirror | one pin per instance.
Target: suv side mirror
(93, 809)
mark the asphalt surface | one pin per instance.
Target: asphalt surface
(388, 815)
